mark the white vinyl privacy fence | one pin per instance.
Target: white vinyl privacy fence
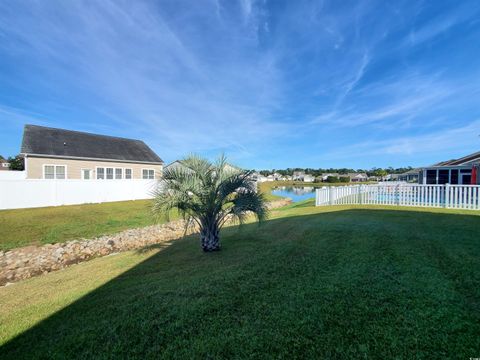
(447, 196)
(16, 194)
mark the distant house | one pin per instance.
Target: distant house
(308, 178)
(325, 176)
(357, 177)
(298, 175)
(408, 176)
(456, 171)
(278, 177)
(256, 176)
(4, 165)
(178, 163)
(65, 154)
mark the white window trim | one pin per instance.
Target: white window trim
(54, 171)
(114, 168)
(91, 173)
(149, 170)
(125, 173)
(96, 173)
(115, 173)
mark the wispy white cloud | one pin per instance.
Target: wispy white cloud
(260, 80)
(441, 24)
(395, 101)
(455, 141)
(153, 75)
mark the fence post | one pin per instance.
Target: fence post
(447, 195)
(330, 195)
(397, 194)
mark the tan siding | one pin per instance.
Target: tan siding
(74, 167)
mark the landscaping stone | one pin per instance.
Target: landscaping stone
(26, 262)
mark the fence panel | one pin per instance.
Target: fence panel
(16, 194)
(401, 194)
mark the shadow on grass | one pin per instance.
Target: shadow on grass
(351, 283)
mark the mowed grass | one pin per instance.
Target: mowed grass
(309, 283)
(22, 227)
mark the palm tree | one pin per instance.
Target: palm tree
(209, 194)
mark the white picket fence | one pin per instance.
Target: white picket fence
(447, 196)
(23, 193)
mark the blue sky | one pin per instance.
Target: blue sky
(273, 84)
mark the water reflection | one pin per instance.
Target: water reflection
(296, 193)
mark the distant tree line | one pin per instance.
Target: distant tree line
(341, 171)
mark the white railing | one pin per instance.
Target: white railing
(447, 196)
(390, 183)
(16, 194)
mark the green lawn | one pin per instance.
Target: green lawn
(62, 223)
(38, 226)
(309, 283)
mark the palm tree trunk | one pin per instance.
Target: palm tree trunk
(209, 236)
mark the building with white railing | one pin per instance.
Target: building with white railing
(462, 171)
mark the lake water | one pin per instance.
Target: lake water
(296, 193)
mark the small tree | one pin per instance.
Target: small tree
(332, 179)
(380, 173)
(17, 163)
(209, 194)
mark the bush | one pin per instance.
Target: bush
(332, 179)
(16, 163)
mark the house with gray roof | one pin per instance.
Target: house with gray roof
(455, 171)
(357, 177)
(52, 153)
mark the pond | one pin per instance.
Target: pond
(296, 193)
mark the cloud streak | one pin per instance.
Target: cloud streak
(266, 82)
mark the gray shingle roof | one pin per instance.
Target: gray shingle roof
(39, 140)
(463, 160)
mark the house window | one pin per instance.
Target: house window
(148, 174)
(454, 176)
(431, 176)
(128, 173)
(118, 174)
(442, 177)
(86, 174)
(100, 173)
(109, 174)
(49, 172)
(54, 172)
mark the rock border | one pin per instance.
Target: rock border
(23, 263)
